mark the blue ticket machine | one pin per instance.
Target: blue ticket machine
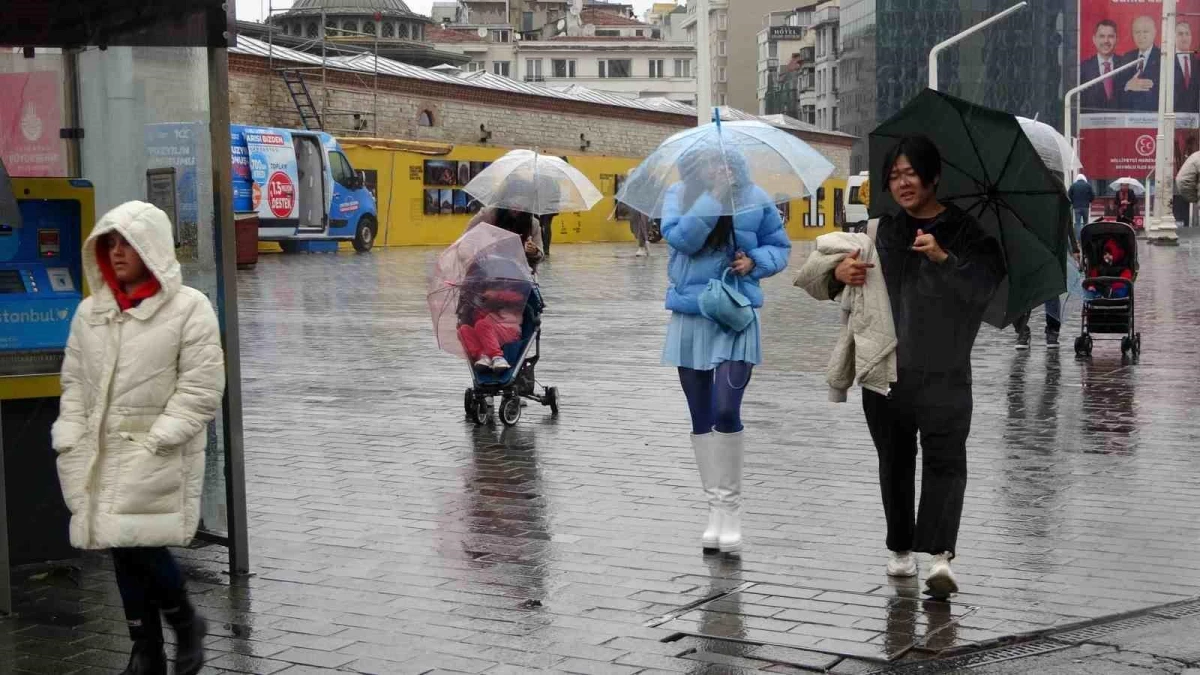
(43, 222)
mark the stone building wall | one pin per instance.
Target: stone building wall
(514, 119)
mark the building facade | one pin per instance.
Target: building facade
(1016, 65)
(779, 42)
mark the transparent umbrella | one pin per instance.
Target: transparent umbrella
(1133, 183)
(1054, 148)
(524, 180)
(484, 273)
(727, 159)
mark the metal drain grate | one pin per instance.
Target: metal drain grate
(1081, 635)
(680, 611)
(984, 658)
(1180, 611)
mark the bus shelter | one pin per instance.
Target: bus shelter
(102, 102)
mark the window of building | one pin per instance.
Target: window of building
(475, 66)
(369, 28)
(721, 74)
(612, 68)
(500, 36)
(526, 21)
(349, 27)
(656, 68)
(773, 50)
(418, 32)
(833, 120)
(722, 50)
(501, 68)
(563, 67)
(722, 21)
(403, 30)
(389, 29)
(608, 33)
(656, 34)
(331, 29)
(425, 119)
(833, 83)
(312, 30)
(533, 70)
(721, 99)
(284, 29)
(683, 67)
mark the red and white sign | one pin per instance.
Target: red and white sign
(281, 195)
(30, 118)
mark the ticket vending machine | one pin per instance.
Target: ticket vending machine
(43, 222)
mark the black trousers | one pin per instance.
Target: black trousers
(151, 583)
(545, 222)
(937, 409)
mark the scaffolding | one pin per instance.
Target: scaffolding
(314, 116)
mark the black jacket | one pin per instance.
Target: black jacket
(937, 308)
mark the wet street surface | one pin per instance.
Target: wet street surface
(389, 535)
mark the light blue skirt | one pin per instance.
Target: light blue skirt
(700, 344)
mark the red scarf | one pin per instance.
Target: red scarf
(125, 300)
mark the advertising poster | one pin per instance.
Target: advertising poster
(273, 173)
(30, 121)
(1118, 119)
(173, 145)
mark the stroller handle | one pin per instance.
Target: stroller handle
(1108, 280)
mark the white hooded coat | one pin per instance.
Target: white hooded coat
(139, 388)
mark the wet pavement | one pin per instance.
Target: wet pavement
(389, 535)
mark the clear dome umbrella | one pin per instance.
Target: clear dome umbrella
(523, 180)
(728, 160)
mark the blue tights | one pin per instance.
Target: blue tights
(715, 396)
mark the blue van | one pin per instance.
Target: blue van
(302, 187)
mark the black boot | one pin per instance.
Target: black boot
(147, 658)
(189, 645)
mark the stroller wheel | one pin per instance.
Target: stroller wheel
(1126, 344)
(482, 411)
(1137, 344)
(510, 411)
(1081, 345)
(469, 404)
(552, 400)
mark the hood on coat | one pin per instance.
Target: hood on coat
(1081, 178)
(148, 230)
(1114, 249)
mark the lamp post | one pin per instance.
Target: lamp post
(1161, 229)
(937, 49)
(703, 65)
(1090, 83)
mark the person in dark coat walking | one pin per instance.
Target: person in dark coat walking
(941, 270)
(1081, 195)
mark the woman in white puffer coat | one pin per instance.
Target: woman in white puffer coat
(142, 378)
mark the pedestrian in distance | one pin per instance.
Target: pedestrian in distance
(142, 377)
(715, 362)
(941, 270)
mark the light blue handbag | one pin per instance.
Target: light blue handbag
(723, 303)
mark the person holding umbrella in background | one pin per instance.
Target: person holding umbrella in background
(1081, 195)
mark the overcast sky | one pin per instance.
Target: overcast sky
(254, 10)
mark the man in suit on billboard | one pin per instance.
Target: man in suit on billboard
(1140, 90)
(1187, 87)
(1106, 95)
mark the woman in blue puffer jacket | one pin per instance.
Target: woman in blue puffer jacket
(714, 363)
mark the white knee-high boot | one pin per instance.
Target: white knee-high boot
(730, 449)
(704, 445)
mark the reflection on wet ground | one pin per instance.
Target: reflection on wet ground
(389, 535)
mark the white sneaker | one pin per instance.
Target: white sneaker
(641, 252)
(940, 584)
(901, 564)
(500, 364)
(484, 363)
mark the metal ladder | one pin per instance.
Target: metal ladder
(309, 116)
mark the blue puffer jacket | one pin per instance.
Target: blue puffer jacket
(759, 234)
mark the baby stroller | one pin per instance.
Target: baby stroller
(1106, 312)
(517, 382)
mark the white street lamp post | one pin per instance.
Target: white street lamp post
(704, 65)
(1070, 94)
(1161, 229)
(937, 49)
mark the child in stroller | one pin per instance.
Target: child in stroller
(1110, 260)
(489, 317)
(1111, 264)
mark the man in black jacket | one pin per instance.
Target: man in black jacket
(941, 270)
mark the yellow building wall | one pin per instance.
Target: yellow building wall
(401, 192)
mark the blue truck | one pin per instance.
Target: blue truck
(302, 188)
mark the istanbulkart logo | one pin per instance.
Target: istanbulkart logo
(35, 316)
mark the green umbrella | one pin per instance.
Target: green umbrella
(991, 171)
